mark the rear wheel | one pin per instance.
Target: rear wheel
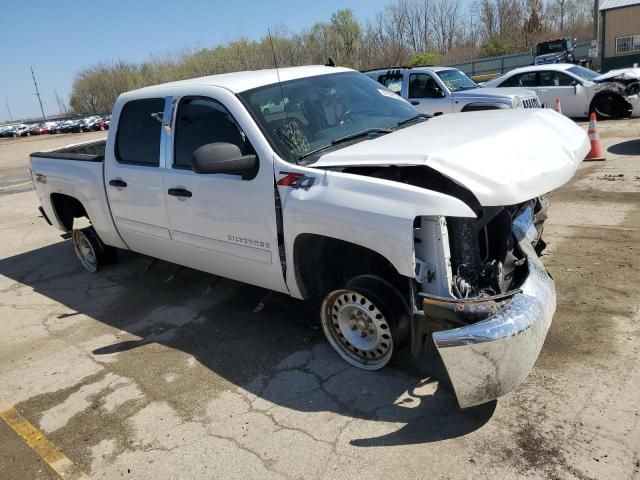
(365, 322)
(90, 250)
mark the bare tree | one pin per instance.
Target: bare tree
(446, 22)
(562, 5)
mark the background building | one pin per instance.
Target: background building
(619, 33)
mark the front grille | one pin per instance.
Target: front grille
(531, 102)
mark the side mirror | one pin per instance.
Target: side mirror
(576, 85)
(224, 158)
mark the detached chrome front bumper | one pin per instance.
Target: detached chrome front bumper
(492, 357)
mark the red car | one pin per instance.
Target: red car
(102, 124)
(40, 130)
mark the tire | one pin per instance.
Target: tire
(605, 107)
(90, 250)
(366, 322)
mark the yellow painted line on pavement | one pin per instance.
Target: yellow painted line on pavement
(52, 456)
(15, 186)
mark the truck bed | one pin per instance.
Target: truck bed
(88, 152)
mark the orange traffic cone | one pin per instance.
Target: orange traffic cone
(596, 147)
(558, 107)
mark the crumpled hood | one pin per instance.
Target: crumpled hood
(504, 157)
(495, 92)
(620, 74)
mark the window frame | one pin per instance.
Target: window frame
(117, 142)
(634, 44)
(174, 130)
(433, 77)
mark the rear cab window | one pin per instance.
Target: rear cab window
(392, 82)
(139, 131)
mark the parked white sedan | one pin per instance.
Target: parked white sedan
(580, 90)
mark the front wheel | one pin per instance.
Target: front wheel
(608, 106)
(90, 250)
(365, 322)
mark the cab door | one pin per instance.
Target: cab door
(134, 177)
(221, 223)
(428, 95)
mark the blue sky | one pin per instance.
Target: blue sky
(60, 37)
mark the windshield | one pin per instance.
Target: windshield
(584, 73)
(302, 116)
(455, 80)
(551, 47)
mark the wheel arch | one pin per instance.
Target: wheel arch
(66, 209)
(323, 263)
(624, 107)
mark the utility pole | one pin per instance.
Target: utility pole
(596, 20)
(38, 95)
(8, 110)
(61, 106)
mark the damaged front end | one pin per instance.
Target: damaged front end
(618, 94)
(491, 324)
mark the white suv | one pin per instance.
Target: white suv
(438, 90)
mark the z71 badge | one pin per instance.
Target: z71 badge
(296, 180)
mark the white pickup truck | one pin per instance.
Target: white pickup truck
(416, 233)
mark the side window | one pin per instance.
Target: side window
(422, 85)
(392, 82)
(201, 121)
(527, 79)
(138, 137)
(555, 79)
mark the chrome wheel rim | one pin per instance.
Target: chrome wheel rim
(357, 329)
(84, 251)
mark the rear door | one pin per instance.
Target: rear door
(221, 223)
(134, 178)
(426, 93)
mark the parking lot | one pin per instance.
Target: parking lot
(151, 370)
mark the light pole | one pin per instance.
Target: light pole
(38, 95)
(6, 101)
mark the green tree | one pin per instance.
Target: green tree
(426, 58)
(495, 47)
(345, 35)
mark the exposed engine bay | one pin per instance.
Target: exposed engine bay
(484, 258)
(466, 268)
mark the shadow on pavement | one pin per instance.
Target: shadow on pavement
(267, 344)
(631, 147)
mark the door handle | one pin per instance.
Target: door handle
(179, 192)
(118, 183)
(415, 102)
